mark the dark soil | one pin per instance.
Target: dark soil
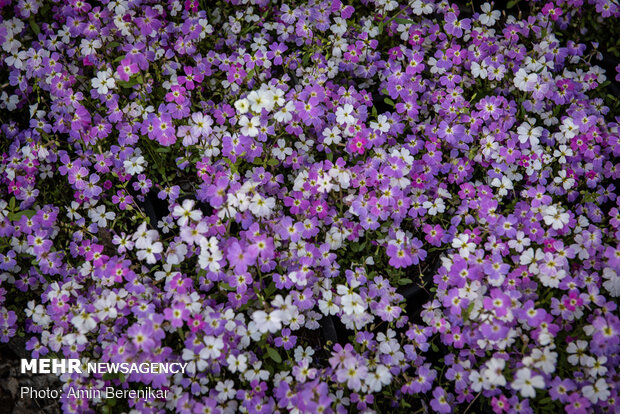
(11, 381)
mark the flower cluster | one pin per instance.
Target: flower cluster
(256, 188)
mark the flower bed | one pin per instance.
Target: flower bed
(319, 207)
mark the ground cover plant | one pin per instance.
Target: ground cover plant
(320, 206)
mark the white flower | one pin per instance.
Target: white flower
(176, 253)
(9, 101)
(477, 381)
(478, 70)
(519, 242)
(331, 136)
(143, 237)
(462, 243)
(201, 126)
(339, 27)
(281, 151)
(262, 207)
(242, 106)
(493, 373)
(267, 322)
(555, 217)
(301, 353)
(577, 350)
(210, 244)
(226, 390)
(562, 152)
(16, 59)
(568, 128)
(285, 306)
(528, 132)
(72, 211)
(261, 99)
(564, 179)
(597, 367)
(135, 165)
(237, 363)
(422, 7)
(526, 383)
(327, 305)
(209, 259)
(488, 17)
(343, 114)
(84, 322)
(612, 281)
(213, 347)
(352, 304)
(437, 206)
(528, 256)
(544, 359)
(376, 380)
(249, 127)
(186, 212)
(149, 250)
(100, 216)
(381, 124)
(256, 372)
(285, 114)
(598, 391)
(106, 306)
(90, 46)
(525, 81)
(166, 272)
(197, 361)
(103, 82)
(503, 185)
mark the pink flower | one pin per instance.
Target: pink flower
(356, 145)
(126, 69)
(191, 5)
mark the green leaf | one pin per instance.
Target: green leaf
(405, 281)
(163, 149)
(113, 44)
(12, 203)
(34, 26)
(400, 20)
(590, 197)
(270, 289)
(273, 354)
(273, 162)
(125, 84)
(389, 102)
(374, 112)
(511, 4)
(233, 167)
(434, 347)
(161, 170)
(467, 311)
(19, 214)
(134, 80)
(226, 286)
